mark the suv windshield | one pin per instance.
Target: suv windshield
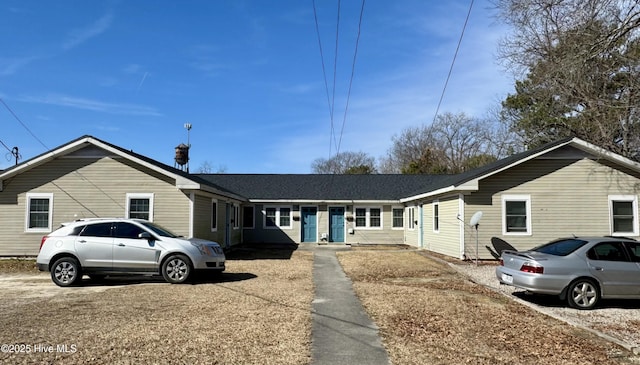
(560, 247)
(160, 231)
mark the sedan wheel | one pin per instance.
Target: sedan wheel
(176, 269)
(66, 272)
(583, 294)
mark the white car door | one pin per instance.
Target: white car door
(94, 246)
(131, 253)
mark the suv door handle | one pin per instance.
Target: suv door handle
(120, 244)
(82, 241)
(598, 268)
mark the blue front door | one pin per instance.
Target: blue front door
(336, 224)
(309, 224)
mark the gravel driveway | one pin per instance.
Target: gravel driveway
(615, 320)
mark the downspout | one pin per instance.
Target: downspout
(461, 224)
(192, 199)
(420, 225)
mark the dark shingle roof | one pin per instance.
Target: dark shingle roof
(323, 187)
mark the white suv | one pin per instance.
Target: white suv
(100, 247)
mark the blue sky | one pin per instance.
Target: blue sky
(247, 74)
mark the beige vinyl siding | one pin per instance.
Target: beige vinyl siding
(85, 188)
(567, 197)
(446, 240)
(202, 218)
(373, 235)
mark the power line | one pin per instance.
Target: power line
(23, 124)
(455, 55)
(335, 74)
(324, 71)
(353, 69)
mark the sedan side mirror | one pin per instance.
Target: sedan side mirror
(145, 235)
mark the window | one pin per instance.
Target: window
(127, 230)
(214, 215)
(398, 218)
(608, 251)
(277, 217)
(624, 217)
(140, 206)
(247, 217)
(270, 217)
(361, 217)
(97, 230)
(516, 214)
(39, 212)
(285, 217)
(236, 216)
(412, 218)
(436, 216)
(369, 218)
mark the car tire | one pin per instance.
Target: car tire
(176, 269)
(583, 294)
(66, 271)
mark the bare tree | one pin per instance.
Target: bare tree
(451, 144)
(345, 162)
(207, 168)
(579, 67)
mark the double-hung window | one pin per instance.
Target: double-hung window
(623, 210)
(516, 214)
(398, 218)
(279, 217)
(39, 212)
(436, 216)
(140, 206)
(214, 215)
(368, 218)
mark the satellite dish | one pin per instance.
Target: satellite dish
(475, 219)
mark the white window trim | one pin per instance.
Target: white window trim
(521, 197)
(139, 196)
(277, 218)
(214, 225)
(634, 200)
(27, 212)
(368, 218)
(436, 203)
(411, 218)
(403, 218)
(236, 216)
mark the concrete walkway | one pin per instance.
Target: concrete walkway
(342, 331)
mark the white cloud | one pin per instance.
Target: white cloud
(94, 105)
(79, 36)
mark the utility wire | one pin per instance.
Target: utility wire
(23, 124)
(353, 69)
(324, 71)
(335, 74)
(453, 61)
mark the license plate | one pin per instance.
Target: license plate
(507, 278)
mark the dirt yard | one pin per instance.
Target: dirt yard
(258, 313)
(430, 314)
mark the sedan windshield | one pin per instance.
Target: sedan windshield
(560, 247)
(159, 230)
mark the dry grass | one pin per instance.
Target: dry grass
(429, 314)
(258, 313)
(18, 265)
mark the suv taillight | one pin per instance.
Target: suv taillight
(44, 238)
(532, 268)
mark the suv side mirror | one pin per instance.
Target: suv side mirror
(145, 235)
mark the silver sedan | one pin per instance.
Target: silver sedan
(580, 270)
